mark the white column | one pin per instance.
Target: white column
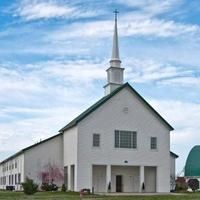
(75, 177)
(108, 176)
(91, 177)
(141, 178)
(69, 177)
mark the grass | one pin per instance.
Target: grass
(4, 195)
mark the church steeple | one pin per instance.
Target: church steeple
(115, 74)
(115, 61)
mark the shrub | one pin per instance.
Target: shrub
(49, 187)
(179, 188)
(181, 184)
(45, 187)
(54, 187)
(193, 184)
(29, 186)
(63, 189)
(109, 187)
(143, 187)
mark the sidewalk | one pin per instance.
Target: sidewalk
(139, 194)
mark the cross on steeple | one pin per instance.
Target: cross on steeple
(115, 12)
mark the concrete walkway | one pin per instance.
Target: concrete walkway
(139, 194)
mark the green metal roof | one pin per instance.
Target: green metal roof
(106, 98)
(192, 167)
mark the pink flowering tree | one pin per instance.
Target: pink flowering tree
(51, 173)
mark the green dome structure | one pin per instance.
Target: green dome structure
(192, 167)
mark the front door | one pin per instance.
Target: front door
(119, 183)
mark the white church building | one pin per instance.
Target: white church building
(119, 144)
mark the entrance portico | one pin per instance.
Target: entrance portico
(114, 178)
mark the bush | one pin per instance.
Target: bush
(63, 189)
(181, 184)
(45, 187)
(109, 187)
(49, 187)
(29, 186)
(54, 187)
(193, 184)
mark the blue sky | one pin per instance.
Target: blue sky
(54, 53)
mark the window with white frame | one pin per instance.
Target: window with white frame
(125, 139)
(153, 142)
(96, 140)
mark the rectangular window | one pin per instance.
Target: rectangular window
(15, 179)
(19, 178)
(153, 142)
(125, 139)
(12, 179)
(96, 140)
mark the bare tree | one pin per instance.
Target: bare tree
(172, 182)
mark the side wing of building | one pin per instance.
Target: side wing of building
(44, 161)
(12, 172)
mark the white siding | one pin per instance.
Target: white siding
(150, 179)
(172, 172)
(70, 150)
(172, 166)
(36, 158)
(99, 178)
(109, 117)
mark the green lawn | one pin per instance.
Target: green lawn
(71, 196)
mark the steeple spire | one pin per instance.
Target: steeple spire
(115, 61)
(115, 74)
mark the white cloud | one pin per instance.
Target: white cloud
(158, 28)
(33, 128)
(183, 81)
(144, 71)
(70, 71)
(35, 9)
(129, 25)
(152, 7)
(35, 96)
(184, 117)
(31, 10)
